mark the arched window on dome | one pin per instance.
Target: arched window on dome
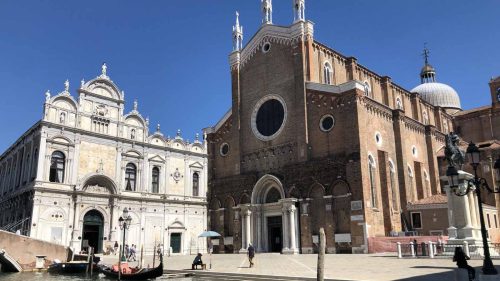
(57, 163)
(327, 73)
(399, 103)
(155, 180)
(373, 186)
(367, 89)
(130, 177)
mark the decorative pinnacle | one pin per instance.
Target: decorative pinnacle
(66, 85)
(426, 53)
(197, 137)
(104, 69)
(135, 105)
(158, 127)
(82, 83)
(178, 132)
(47, 96)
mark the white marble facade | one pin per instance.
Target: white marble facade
(90, 161)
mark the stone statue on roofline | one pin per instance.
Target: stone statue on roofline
(454, 155)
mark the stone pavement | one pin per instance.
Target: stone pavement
(337, 267)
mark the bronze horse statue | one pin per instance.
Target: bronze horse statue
(452, 152)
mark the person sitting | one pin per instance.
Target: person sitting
(197, 261)
(461, 258)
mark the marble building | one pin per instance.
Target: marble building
(68, 178)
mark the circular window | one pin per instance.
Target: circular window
(326, 123)
(266, 47)
(268, 117)
(414, 151)
(224, 149)
(378, 138)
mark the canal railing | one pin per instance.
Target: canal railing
(441, 250)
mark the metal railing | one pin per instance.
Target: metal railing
(440, 250)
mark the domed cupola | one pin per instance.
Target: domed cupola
(437, 94)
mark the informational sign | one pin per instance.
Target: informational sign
(343, 238)
(356, 205)
(357, 218)
(228, 240)
(315, 239)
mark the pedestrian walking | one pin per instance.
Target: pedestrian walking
(251, 254)
(159, 250)
(127, 251)
(115, 247)
(461, 258)
(132, 256)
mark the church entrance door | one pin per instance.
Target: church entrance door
(93, 225)
(175, 242)
(275, 235)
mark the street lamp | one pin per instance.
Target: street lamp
(475, 184)
(124, 221)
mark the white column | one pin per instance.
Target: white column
(258, 215)
(292, 228)
(476, 210)
(243, 231)
(248, 232)
(285, 231)
(467, 212)
(472, 206)
(40, 171)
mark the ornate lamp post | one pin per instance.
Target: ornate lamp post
(124, 221)
(472, 185)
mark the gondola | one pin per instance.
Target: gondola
(140, 274)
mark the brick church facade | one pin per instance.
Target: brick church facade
(315, 139)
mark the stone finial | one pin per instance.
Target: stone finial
(66, 85)
(158, 127)
(82, 83)
(104, 69)
(299, 10)
(47, 96)
(123, 94)
(135, 105)
(147, 121)
(237, 34)
(197, 137)
(267, 11)
(178, 133)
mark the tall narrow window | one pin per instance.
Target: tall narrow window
(57, 167)
(196, 184)
(34, 167)
(155, 182)
(130, 176)
(410, 184)
(327, 73)
(373, 187)
(392, 183)
(368, 90)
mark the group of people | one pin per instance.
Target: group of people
(130, 252)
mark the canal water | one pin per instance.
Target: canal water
(44, 276)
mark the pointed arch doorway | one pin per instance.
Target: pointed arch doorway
(93, 228)
(269, 222)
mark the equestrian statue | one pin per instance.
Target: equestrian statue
(452, 152)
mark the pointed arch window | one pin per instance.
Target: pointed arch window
(393, 186)
(373, 186)
(57, 167)
(130, 177)
(155, 180)
(327, 73)
(425, 118)
(410, 184)
(196, 184)
(367, 89)
(399, 103)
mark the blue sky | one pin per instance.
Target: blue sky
(173, 55)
